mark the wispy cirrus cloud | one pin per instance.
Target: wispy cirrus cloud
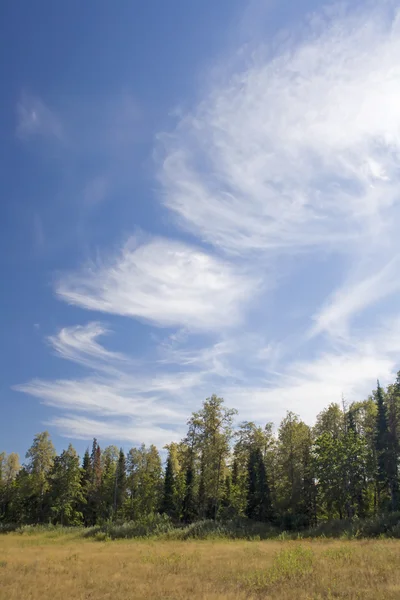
(164, 282)
(354, 296)
(116, 388)
(80, 345)
(297, 149)
(112, 429)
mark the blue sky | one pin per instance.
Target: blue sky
(197, 197)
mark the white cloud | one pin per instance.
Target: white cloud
(34, 118)
(165, 282)
(119, 396)
(83, 428)
(295, 150)
(355, 296)
(306, 387)
(79, 345)
(118, 388)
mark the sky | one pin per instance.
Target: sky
(197, 197)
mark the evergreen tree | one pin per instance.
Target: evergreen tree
(345, 467)
(250, 437)
(86, 482)
(168, 503)
(120, 483)
(107, 486)
(251, 507)
(189, 509)
(94, 488)
(259, 506)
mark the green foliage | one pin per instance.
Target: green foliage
(259, 506)
(169, 494)
(293, 468)
(66, 495)
(339, 476)
(189, 511)
(210, 433)
(144, 482)
(120, 484)
(148, 526)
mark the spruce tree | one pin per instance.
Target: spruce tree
(168, 502)
(259, 506)
(189, 508)
(264, 494)
(94, 492)
(252, 487)
(86, 482)
(120, 483)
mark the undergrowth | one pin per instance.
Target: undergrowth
(162, 527)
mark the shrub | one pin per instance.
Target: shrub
(151, 525)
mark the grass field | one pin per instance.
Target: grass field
(54, 566)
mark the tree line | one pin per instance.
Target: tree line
(345, 466)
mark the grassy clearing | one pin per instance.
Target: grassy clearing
(56, 566)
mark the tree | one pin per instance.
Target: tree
(86, 482)
(66, 489)
(9, 468)
(189, 509)
(382, 448)
(393, 417)
(213, 427)
(169, 495)
(144, 481)
(294, 445)
(108, 481)
(40, 463)
(331, 420)
(250, 437)
(365, 415)
(259, 506)
(92, 489)
(120, 483)
(341, 471)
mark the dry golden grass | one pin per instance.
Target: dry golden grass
(53, 567)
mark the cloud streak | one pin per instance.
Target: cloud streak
(297, 150)
(165, 282)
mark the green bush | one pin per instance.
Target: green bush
(8, 527)
(152, 525)
(161, 526)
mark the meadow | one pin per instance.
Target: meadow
(58, 565)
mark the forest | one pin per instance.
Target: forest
(343, 467)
